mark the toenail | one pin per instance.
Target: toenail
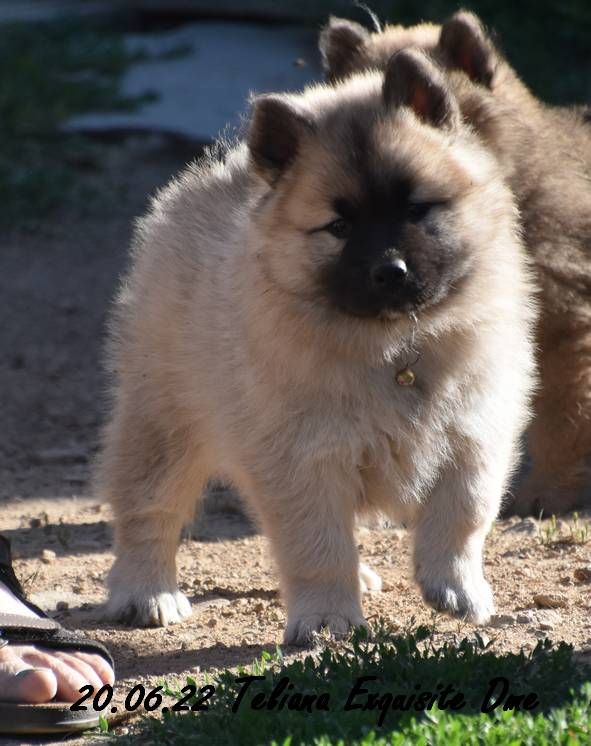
(27, 671)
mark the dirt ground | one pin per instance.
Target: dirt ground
(55, 285)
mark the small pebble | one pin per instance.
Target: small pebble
(48, 556)
(526, 526)
(549, 601)
(512, 520)
(583, 574)
(525, 617)
(62, 606)
(547, 620)
(215, 602)
(501, 620)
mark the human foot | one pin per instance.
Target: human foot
(32, 674)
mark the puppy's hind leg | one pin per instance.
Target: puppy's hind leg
(153, 479)
(559, 438)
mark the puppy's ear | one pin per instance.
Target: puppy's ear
(466, 46)
(276, 129)
(341, 46)
(413, 80)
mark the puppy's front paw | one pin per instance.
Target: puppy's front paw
(301, 631)
(316, 611)
(149, 610)
(464, 597)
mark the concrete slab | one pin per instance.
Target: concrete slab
(205, 92)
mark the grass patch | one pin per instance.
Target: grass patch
(554, 534)
(418, 693)
(48, 73)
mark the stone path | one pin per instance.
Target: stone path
(205, 91)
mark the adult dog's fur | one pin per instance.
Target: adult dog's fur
(546, 156)
(277, 290)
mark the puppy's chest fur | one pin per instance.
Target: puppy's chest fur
(409, 440)
(394, 438)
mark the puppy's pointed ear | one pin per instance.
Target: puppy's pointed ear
(466, 46)
(413, 80)
(274, 137)
(341, 46)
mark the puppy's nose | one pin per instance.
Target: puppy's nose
(389, 275)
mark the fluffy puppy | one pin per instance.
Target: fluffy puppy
(546, 157)
(335, 316)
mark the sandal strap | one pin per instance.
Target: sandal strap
(18, 629)
(47, 633)
(20, 621)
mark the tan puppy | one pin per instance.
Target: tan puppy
(546, 157)
(284, 297)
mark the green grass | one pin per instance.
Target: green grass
(552, 534)
(48, 73)
(559, 696)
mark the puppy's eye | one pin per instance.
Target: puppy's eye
(417, 211)
(339, 228)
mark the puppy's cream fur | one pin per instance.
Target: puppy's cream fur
(229, 361)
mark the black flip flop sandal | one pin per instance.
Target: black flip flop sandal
(47, 633)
